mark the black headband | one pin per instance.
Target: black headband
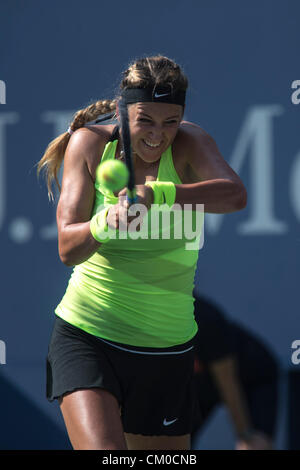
(153, 95)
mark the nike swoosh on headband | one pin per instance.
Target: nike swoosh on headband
(156, 95)
(167, 423)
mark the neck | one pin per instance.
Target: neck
(139, 163)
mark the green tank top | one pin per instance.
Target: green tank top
(135, 292)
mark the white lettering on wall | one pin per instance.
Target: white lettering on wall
(2, 92)
(5, 119)
(256, 141)
(2, 352)
(60, 121)
(295, 186)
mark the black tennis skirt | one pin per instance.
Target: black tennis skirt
(154, 387)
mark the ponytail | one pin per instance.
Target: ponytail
(55, 151)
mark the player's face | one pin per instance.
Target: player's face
(153, 127)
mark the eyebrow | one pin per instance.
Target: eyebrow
(167, 119)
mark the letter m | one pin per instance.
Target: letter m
(255, 142)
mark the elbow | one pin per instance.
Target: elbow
(243, 199)
(240, 200)
(66, 260)
(65, 255)
(66, 252)
(71, 258)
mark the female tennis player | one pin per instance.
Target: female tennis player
(120, 359)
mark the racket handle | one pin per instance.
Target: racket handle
(131, 196)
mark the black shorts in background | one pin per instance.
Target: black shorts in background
(154, 386)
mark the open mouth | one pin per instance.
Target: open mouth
(151, 144)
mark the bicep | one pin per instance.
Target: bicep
(77, 193)
(204, 159)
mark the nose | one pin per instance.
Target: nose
(156, 133)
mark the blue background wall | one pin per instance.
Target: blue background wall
(241, 59)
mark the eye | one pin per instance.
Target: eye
(144, 120)
(173, 121)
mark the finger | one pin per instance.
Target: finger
(123, 192)
(123, 201)
(123, 217)
(112, 218)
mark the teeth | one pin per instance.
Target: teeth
(151, 145)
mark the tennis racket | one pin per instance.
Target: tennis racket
(125, 134)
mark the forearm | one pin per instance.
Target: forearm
(235, 402)
(232, 394)
(76, 243)
(219, 196)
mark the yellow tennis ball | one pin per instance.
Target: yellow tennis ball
(113, 174)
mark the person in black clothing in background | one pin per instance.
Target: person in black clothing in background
(235, 368)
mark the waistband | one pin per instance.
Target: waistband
(178, 349)
(172, 350)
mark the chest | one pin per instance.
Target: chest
(151, 173)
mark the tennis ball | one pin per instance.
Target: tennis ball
(113, 174)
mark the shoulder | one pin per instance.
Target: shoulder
(87, 144)
(193, 136)
(190, 143)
